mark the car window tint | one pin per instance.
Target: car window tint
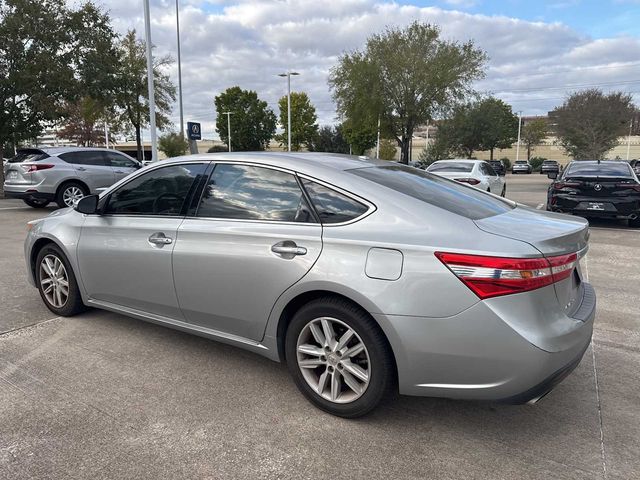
(332, 206)
(245, 192)
(162, 191)
(589, 169)
(464, 167)
(28, 156)
(488, 170)
(86, 157)
(434, 190)
(117, 160)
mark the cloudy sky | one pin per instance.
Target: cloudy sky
(538, 50)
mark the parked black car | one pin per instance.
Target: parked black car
(602, 189)
(498, 167)
(549, 166)
(635, 164)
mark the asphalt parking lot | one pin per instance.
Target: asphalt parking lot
(101, 395)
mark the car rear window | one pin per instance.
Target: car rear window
(521, 162)
(28, 156)
(434, 190)
(577, 169)
(451, 167)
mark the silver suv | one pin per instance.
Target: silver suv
(63, 174)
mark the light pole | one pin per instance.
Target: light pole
(179, 71)
(288, 75)
(152, 100)
(629, 139)
(378, 140)
(228, 114)
(519, 130)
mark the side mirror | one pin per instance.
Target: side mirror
(87, 205)
(552, 175)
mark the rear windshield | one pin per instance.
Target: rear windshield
(435, 190)
(451, 167)
(550, 161)
(609, 169)
(28, 156)
(521, 161)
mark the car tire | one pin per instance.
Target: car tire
(504, 191)
(70, 191)
(36, 202)
(54, 275)
(347, 388)
(635, 223)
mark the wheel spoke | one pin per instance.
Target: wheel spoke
(356, 371)
(329, 334)
(317, 333)
(310, 350)
(355, 350)
(322, 381)
(46, 281)
(64, 290)
(351, 382)
(48, 289)
(48, 267)
(345, 339)
(58, 298)
(335, 385)
(310, 363)
(59, 268)
(63, 282)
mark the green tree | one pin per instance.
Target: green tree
(172, 144)
(360, 134)
(303, 121)
(387, 149)
(533, 133)
(330, 139)
(460, 133)
(589, 123)
(82, 122)
(439, 149)
(497, 124)
(253, 123)
(404, 77)
(131, 91)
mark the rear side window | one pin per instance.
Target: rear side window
(578, 169)
(462, 167)
(118, 160)
(246, 192)
(87, 157)
(162, 191)
(332, 206)
(435, 190)
(28, 156)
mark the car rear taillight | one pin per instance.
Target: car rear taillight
(470, 181)
(495, 276)
(632, 186)
(561, 185)
(34, 167)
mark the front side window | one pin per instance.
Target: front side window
(332, 206)
(86, 157)
(162, 191)
(245, 192)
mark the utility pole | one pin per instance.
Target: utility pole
(152, 100)
(378, 140)
(106, 135)
(179, 71)
(228, 114)
(629, 139)
(288, 75)
(519, 130)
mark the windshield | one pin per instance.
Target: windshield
(590, 169)
(437, 191)
(451, 167)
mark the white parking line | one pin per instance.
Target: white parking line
(540, 206)
(13, 208)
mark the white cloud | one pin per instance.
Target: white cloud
(248, 43)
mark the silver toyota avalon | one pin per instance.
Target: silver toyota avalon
(363, 276)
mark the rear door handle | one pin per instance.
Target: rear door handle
(118, 171)
(82, 169)
(288, 249)
(160, 239)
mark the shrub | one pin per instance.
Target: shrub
(172, 144)
(387, 149)
(536, 162)
(506, 162)
(218, 148)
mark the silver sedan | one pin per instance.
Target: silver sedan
(363, 276)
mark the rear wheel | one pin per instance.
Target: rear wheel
(635, 223)
(70, 193)
(36, 202)
(338, 357)
(504, 191)
(56, 282)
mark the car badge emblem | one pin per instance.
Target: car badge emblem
(597, 187)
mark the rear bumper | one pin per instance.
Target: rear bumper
(29, 194)
(480, 354)
(26, 191)
(622, 208)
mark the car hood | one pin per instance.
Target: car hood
(550, 233)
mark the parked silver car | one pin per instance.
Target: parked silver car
(364, 276)
(521, 166)
(63, 174)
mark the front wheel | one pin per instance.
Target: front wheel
(338, 357)
(36, 202)
(56, 282)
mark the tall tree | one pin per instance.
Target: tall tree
(360, 133)
(589, 123)
(132, 95)
(533, 133)
(253, 123)
(405, 77)
(497, 123)
(330, 139)
(303, 121)
(83, 119)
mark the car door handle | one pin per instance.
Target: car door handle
(82, 169)
(159, 238)
(288, 249)
(118, 171)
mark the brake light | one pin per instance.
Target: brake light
(34, 167)
(632, 186)
(561, 185)
(496, 276)
(471, 181)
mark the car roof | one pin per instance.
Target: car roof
(459, 160)
(60, 150)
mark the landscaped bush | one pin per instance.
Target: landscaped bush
(536, 163)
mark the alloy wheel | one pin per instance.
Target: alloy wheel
(54, 281)
(333, 360)
(72, 195)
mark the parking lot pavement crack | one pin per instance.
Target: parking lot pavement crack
(599, 405)
(10, 333)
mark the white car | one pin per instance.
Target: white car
(476, 173)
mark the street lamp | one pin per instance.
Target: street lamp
(519, 130)
(152, 101)
(288, 75)
(228, 114)
(179, 71)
